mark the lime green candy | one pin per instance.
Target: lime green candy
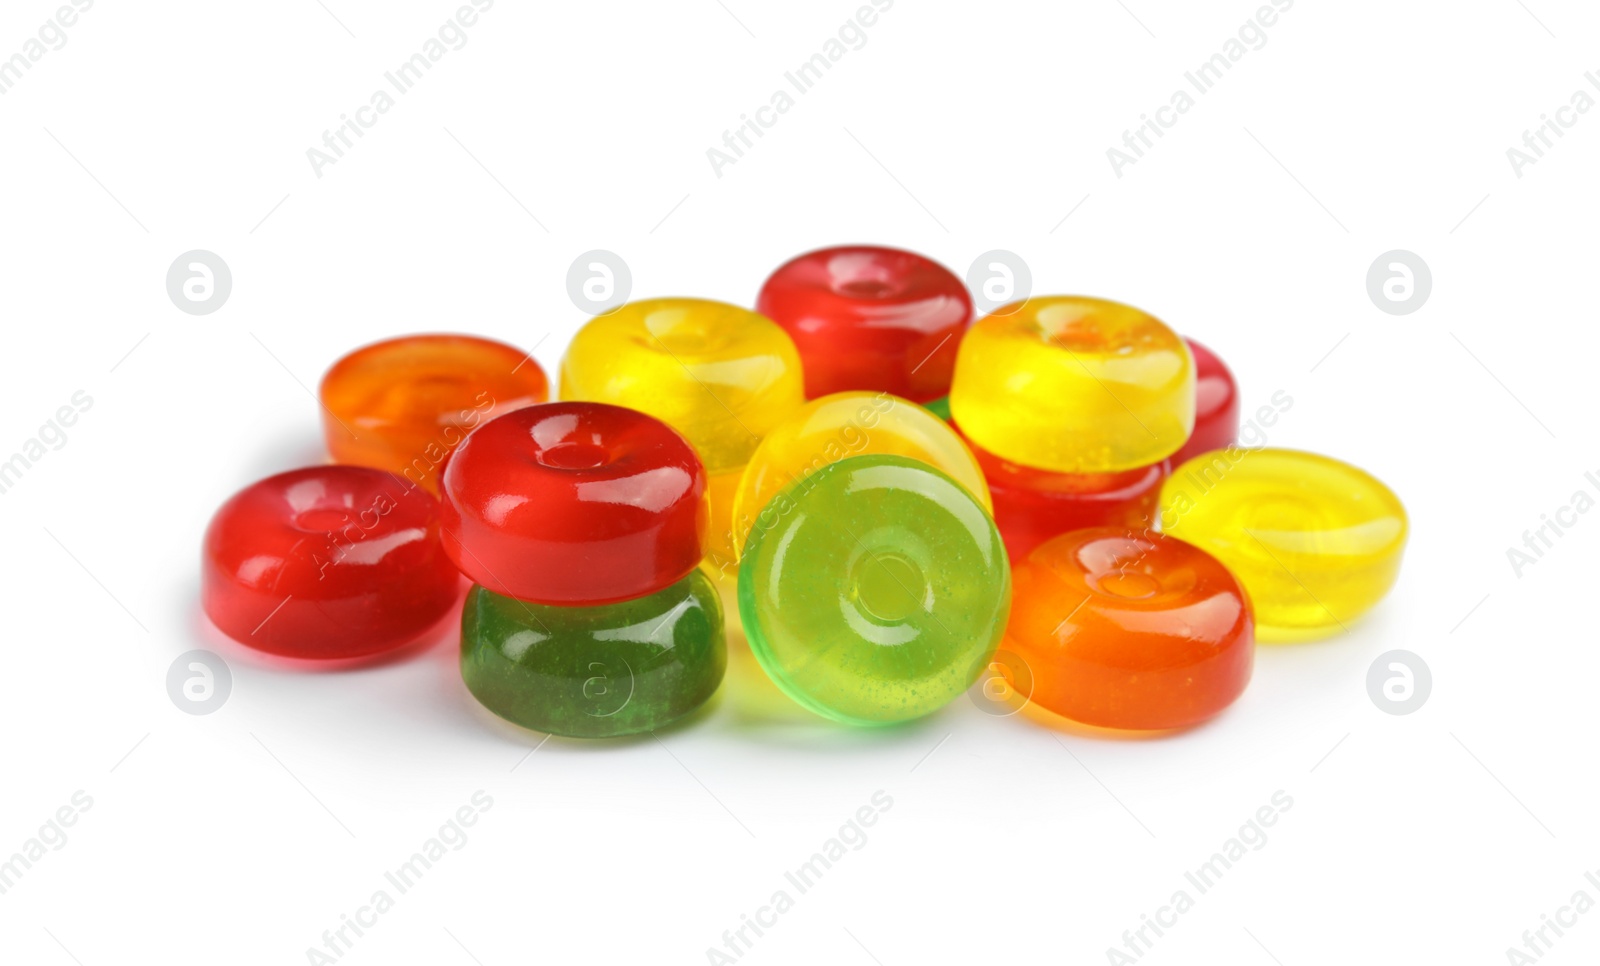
(874, 590)
(595, 672)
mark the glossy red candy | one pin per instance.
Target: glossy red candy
(326, 562)
(1216, 405)
(1031, 506)
(865, 317)
(575, 503)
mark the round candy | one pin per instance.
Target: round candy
(326, 562)
(1031, 506)
(1216, 405)
(1130, 629)
(719, 374)
(595, 672)
(845, 424)
(404, 405)
(1074, 385)
(1315, 541)
(878, 591)
(574, 504)
(866, 317)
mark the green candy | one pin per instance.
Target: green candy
(874, 590)
(595, 672)
(939, 407)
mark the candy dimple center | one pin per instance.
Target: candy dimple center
(573, 456)
(866, 288)
(889, 586)
(322, 519)
(681, 331)
(1128, 584)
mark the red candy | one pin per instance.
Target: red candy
(1216, 405)
(575, 503)
(1031, 506)
(326, 562)
(870, 318)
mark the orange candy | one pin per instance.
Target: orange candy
(405, 404)
(1129, 629)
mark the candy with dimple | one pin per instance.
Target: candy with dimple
(877, 593)
(595, 672)
(846, 424)
(1129, 629)
(1074, 385)
(865, 317)
(721, 375)
(326, 562)
(1315, 541)
(1031, 506)
(575, 504)
(405, 404)
(1216, 405)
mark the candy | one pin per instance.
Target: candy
(866, 317)
(845, 424)
(405, 404)
(574, 504)
(878, 591)
(1216, 405)
(1315, 541)
(326, 562)
(1074, 385)
(1129, 629)
(720, 375)
(1031, 506)
(595, 672)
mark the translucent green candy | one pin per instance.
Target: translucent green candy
(595, 672)
(874, 590)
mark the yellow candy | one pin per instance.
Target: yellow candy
(1315, 542)
(1074, 385)
(831, 428)
(721, 375)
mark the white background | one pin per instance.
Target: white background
(1359, 127)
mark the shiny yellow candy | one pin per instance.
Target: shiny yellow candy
(1315, 542)
(1074, 385)
(721, 375)
(844, 424)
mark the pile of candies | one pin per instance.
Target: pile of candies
(883, 492)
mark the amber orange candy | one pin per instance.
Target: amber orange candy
(405, 404)
(1130, 629)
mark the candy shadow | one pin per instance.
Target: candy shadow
(1049, 720)
(284, 452)
(545, 742)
